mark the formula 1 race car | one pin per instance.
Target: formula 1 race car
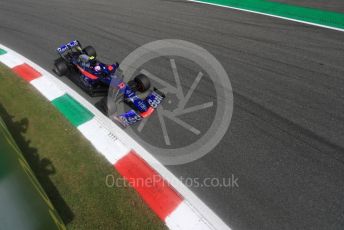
(95, 76)
(83, 68)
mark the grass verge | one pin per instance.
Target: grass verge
(72, 173)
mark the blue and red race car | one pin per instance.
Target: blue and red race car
(95, 76)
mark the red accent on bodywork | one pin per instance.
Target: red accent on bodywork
(110, 68)
(26, 72)
(155, 191)
(121, 85)
(87, 74)
(149, 112)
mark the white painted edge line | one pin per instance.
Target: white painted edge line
(206, 216)
(270, 15)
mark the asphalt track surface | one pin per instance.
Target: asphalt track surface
(286, 139)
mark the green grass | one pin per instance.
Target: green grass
(72, 173)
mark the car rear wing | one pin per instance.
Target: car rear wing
(66, 47)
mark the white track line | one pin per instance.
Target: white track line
(270, 15)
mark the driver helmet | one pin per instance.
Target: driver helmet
(84, 59)
(97, 68)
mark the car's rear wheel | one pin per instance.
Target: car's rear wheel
(61, 67)
(142, 83)
(90, 51)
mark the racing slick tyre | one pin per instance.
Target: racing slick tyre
(90, 51)
(142, 83)
(61, 67)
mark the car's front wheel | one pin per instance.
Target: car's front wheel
(141, 83)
